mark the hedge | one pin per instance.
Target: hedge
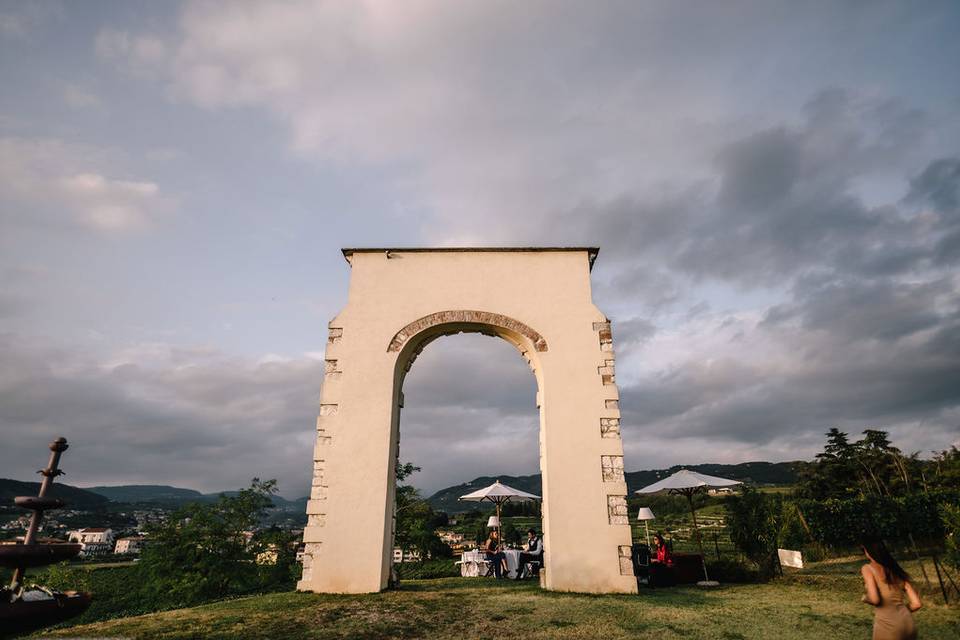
(844, 522)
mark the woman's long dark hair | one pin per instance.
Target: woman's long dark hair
(892, 571)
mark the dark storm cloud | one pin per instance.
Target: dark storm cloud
(190, 417)
(854, 310)
(867, 335)
(632, 333)
(783, 199)
(761, 170)
(939, 186)
(864, 331)
(761, 407)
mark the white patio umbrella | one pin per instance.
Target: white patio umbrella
(687, 483)
(499, 493)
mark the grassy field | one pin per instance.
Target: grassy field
(822, 602)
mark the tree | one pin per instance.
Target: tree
(416, 521)
(944, 470)
(755, 521)
(278, 560)
(481, 532)
(871, 466)
(205, 551)
(950, 513)
(510, 534)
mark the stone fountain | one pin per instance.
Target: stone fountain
(24, 607)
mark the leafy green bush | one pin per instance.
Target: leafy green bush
(755, 521)
(841, 523)
(202, 552)
(116, 590)
(732, 571)
(428, 569)
(950, 516)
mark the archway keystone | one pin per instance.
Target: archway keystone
(528, 296)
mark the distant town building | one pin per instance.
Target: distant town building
(450, 537)
(399, 555)
(94, 541)
(131, 545)
(720, 491)
(268, 555)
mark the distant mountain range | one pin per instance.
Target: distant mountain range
(96, 497)
(766, 473)
(173, 496)
(133, 493)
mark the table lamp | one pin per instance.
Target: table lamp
(646, 515)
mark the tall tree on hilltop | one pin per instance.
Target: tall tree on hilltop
(869, 466)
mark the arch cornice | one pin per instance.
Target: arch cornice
(466, 316)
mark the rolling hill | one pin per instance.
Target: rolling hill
(133, 493)
(75, 497)
(175, 496)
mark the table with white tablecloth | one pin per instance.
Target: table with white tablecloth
(474, 564)
(513, 562)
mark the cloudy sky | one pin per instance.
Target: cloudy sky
(775, 188)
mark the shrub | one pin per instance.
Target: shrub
(755, 521)
(842, 523)
(950, 516)
(428, 569)
(732, 571)
(116, 590)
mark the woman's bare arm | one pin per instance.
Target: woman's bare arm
(913, 598)
(870, 586)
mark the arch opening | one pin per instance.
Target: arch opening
(521, 337)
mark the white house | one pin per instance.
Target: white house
(399, 555)
(93, 540)
(720, 491)
(131, 545)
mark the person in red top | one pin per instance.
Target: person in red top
(663, 554)
(661, 564)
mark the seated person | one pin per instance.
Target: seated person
(495, 555)
(661, 564)
(533, 552)
(663, 553)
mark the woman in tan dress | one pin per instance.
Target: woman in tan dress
(885, 582)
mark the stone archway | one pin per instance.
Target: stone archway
(401, 299)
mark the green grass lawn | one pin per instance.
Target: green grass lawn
(821, 602)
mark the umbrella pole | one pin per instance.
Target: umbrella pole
(499, 529)
(693, 514)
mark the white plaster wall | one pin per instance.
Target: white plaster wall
(349, 535)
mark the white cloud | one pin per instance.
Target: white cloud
(502, 116)
(137, 53)
(49, 181)
(19, 20)
(79, 98)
